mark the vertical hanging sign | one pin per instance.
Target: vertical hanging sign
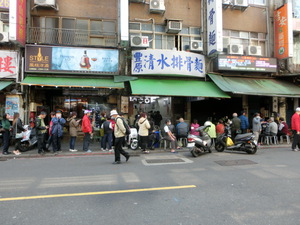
(214, 26)
(17, 21)
(283, 29)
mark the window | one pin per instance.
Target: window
(257, 2)
(296, 8)
(245, 39)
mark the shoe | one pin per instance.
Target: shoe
(295, 150)
(102, 149)
(110, 150)
(146, 152)
(116, 162)
(127, 158)
(6, 153)
(89, 151)
(72, 150)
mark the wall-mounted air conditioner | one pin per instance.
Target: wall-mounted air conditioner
(254, 50)
(4, 37)
(173, 26)
(139, 41)
(196, 46)
(157, 6)
(4, 17)
(44, 2)
(242, 3)
(235, 49)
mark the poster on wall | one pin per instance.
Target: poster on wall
(9, 64)
(12, 105)
(71, 60)
(124, 104)
(168, 62)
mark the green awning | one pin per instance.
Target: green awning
(165, 87)
(253, 86)
(4, 84)
(72, 82)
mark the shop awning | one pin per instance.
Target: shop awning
(4, 84)
(254, 86)
(72, 82)
(165, 87)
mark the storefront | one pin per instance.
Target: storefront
(71, 80)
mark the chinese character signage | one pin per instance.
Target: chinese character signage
(283, 28)
(214, 27)
(17, 21)
(71, 60)
(247, 63)
(168, 62)
(4, 4)
(9, 64)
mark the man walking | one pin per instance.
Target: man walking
(296, 129)
(119, 133)
(87, 130)
(41, 132)
(244, 122)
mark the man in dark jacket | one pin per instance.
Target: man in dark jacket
(244, 122)
(236, 125)
(41, 130)
(57, 131)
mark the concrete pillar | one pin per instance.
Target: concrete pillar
(245, 104)
(282, 107)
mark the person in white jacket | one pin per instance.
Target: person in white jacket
(144, 127)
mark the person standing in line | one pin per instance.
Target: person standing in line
(17, 128)
(119, 133)
(87, 130)
(50, 139)
(244, 122)
(6, 134)
(41, 130)
(106, 140)
(194, 126)
(295, 122)
(220, 128)
(73, 127)
(169, 136)
(57, 131)
(236, 125)
(144, 127)
(256, 126)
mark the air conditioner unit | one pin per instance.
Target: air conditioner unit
(254, 50)
(243, 3)
(157, 6)
(173, 27)
(4, 37)
(1, 26)
(227, 2)
(4, 17)
(44, 2)
(235, 49)
(139, 41)
(196, 46)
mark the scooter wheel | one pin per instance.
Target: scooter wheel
(219, 147)
(252, 151)
(134, 145)
(195, 152)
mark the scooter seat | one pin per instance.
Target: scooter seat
(241, 136)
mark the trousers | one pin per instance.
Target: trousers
(119, 150)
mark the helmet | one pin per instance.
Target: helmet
(207, 123)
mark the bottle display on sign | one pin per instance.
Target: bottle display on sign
(39, 55)
(85, 61)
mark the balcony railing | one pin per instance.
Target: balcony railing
(57, 36)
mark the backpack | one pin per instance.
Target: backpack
(128, 131)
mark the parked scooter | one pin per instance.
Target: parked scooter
(29, 139)
(200, 144)
(242, 142)
(132, 139)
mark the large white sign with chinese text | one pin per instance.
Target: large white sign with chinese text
(168, 62)
(214, 27)
(9, 64)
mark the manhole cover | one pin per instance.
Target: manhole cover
(238, 162)
(164, 160)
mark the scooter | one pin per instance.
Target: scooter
(132, 139)
(242, 142)
(200, 144)
(29, 139)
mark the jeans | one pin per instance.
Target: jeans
(86, 141)
(72, 142)
(41, 142)
(6, 136)
(56, 142)
(296, 140)
(119, 150)
(106, 141)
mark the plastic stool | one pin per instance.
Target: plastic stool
(288, 141)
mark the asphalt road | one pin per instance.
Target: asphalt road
(153, 189)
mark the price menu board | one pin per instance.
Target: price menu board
(246, 63)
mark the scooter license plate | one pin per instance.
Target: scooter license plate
(191, 144)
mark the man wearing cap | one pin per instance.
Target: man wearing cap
(296, 129)
(119, 133)
(57, 131)
(41, 132)
(87, 130)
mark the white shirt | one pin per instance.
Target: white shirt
(166, 128)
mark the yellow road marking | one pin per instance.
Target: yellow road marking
(96, 193)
